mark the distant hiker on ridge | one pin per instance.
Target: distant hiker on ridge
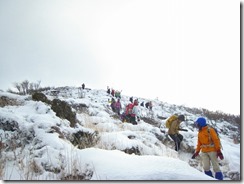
(117, 94)
(113, 92)
(108, 90)
(149, 105)
(83, 86)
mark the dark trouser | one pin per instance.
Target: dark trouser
(117, 110)
(133, 120)
(128, 118)
(177, 139)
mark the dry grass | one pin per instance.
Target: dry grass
(6, 101)
(2, 166)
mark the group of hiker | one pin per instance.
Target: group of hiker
(114, 93)
(148, 105)
(131, 113)
(208, 143)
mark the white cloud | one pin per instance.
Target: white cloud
(175, 46)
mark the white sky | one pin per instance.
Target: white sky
(183, 52)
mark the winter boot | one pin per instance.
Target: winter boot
(219, 175)
(209, 173)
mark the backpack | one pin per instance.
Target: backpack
(216, 131)
(170, 120)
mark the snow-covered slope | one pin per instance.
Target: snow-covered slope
(38, 145)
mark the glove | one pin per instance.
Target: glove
(220, 155)
(195, 155)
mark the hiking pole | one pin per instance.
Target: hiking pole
(181, 129)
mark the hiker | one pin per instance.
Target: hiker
(117, 106)
(173, 131)
(134, 116)
(149, 105)
(108, 90)
(126, 116)
(81, 91)
(209, 145)
(117, 94)
(113, 105)
(112, 92)
(83, 86)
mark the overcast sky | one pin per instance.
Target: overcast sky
(180, 51)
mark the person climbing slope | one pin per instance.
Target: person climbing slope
(117, 106)
(134, 117)
(174, 127)
(113, 102)
(209, 145)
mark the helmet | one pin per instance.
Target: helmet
(201, 122)
(181, 117)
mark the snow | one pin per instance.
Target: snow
(52, 156)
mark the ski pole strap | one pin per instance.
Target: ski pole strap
(206, 145)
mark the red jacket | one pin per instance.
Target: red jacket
(129, 108)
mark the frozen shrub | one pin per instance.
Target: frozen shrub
(8, 124)
(5, 101)
(83, 139)
(63, 110)
(40, 97)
